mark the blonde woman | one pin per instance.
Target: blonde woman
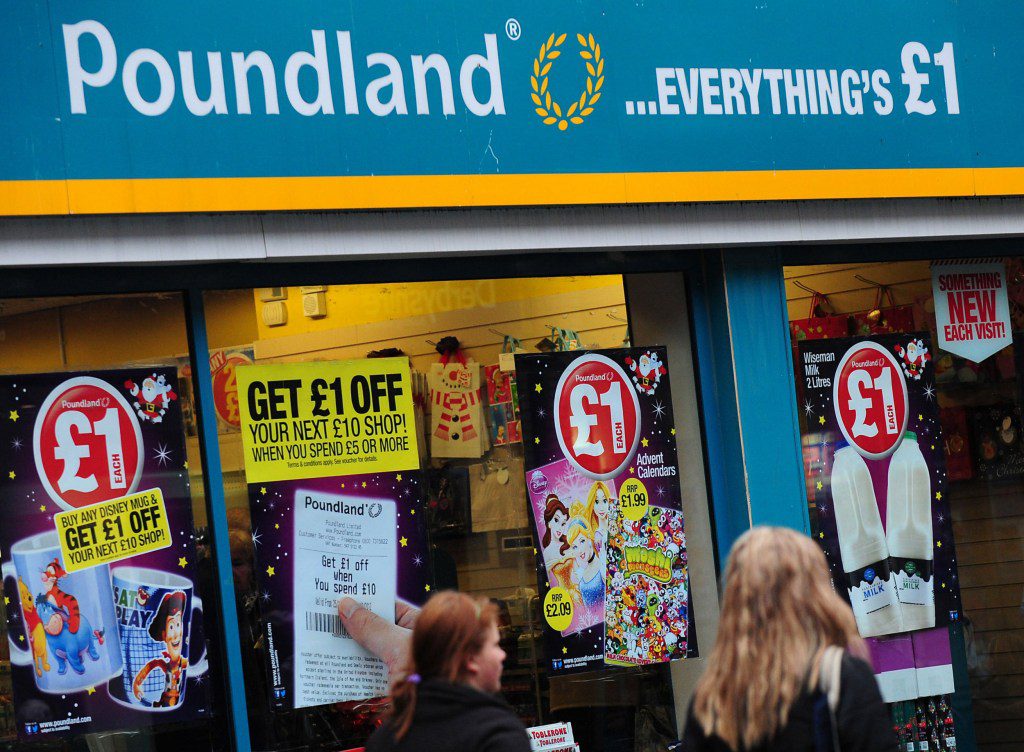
(588, 565)
(761, 691)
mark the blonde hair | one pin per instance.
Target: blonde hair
(779, 613)
(579, 524)
(592, 502)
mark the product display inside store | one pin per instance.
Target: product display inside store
(920, 517)
(371, 442)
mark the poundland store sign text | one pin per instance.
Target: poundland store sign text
(315, 105)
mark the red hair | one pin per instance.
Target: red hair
(450, 630)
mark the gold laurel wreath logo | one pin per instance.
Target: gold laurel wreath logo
(549, 109)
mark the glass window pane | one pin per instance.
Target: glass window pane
(480, 537)
(97, 406)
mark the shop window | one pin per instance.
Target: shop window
(97, 407)
(479, 537)
(940, 494)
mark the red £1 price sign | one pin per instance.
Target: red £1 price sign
(597, 416)
(87, 443)
(870, 398)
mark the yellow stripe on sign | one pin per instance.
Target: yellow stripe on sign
(19, 198)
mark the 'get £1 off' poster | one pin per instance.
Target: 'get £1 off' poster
(603, 491)
(335, 494)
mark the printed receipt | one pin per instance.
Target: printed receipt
(344, 547)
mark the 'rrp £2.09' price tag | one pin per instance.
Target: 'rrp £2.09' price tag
(113, 530)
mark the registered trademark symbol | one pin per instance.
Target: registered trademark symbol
(513, 29)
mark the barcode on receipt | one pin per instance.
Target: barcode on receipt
(317, 621)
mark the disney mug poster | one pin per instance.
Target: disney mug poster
(603, 491)
(99, 560)
(876, 471)
(336, 499)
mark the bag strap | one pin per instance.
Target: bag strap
(829, 682)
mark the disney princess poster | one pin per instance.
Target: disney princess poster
(570, 514)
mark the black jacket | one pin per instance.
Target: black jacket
(864, 723)
(455, 717)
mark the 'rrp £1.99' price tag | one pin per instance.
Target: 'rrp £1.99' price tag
(113, 530)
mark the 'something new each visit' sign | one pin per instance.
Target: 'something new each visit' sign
(972, 309)
(116, 107)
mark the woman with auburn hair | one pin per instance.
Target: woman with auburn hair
(788, 667)
(447, 698)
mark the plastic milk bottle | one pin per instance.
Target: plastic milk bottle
(908, 533)
(862, 546)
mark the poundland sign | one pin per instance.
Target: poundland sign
(110, 107)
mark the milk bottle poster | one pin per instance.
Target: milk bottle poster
(104, 618)
(870, 411)
(336, 498)
(603, 494)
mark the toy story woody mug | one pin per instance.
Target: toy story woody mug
(70, 638)
(154, 615)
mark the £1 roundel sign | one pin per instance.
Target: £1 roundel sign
(87, 443)
(870, 397)
(598, 416)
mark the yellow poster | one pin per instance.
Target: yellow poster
(314, 420)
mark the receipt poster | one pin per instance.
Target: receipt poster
(602, 480)
(336, 497)
(104, 620)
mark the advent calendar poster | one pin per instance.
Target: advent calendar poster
(602, 480)
(104, 618)
(878, 478)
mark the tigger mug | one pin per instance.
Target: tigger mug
(70, 629)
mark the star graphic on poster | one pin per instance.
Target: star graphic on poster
(821, 535)
(263, 490)
(182, 562)
(42, 507)
(412, 511)
(399, 477)
(270, 571)
(938, 495)
(16, 444)
(536, 439)
(537, 388)
(256, 537)
(185, 464)
(91, 691)
(541, 412)
(13, 415)
(565, 650)
(808, 408)
(920, 417)
(644, 441)
(21, 638)
(632, 471)
(12, 475)
(363, 484)
(404, 541)
(265, 596)
(659, 410)
(342, 485)
(938, 544)
(426, 588)
(417, 560)
(277, 526)
(672, 431)
(161, 454)
(821, 420)
(929, 391)
(819, 485)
